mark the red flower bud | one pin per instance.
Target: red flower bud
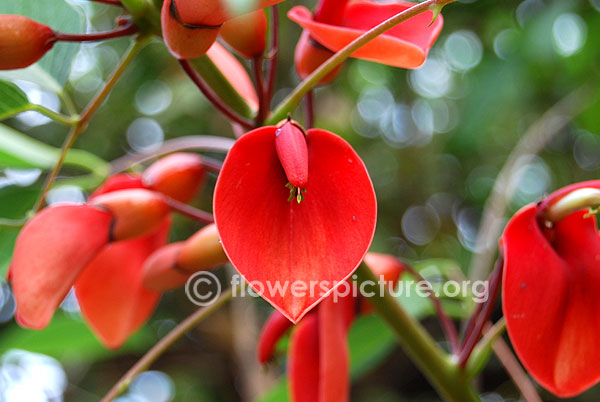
(178, 176)
(290, 143)
(22, 41)
(202, 251)
(310, 55)
(246, 34)
(136, 212)
(160, 269)
(275, 327)
(382, 265)
(185, 37)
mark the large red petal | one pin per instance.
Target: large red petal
(334, 357)
(550, 299)
(303, 360)
(405, 45)
(110, 292)
(50, 253)
(271, 241)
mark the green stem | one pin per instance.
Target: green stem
(165, 343)
(289, 104)
(441, 370)
(483, 350)
(89, 111)
(58, 117)
(215, 78)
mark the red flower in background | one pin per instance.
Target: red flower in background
(100, 248)
(290, 207)
(190, 27)
(338, 22)
(551, 285)
(318, 355)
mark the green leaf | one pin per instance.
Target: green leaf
(60, 15)
(8, 235)
(20, 151)
(69, 338)
(12, 100)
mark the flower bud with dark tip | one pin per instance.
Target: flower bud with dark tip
(23, 41)
(310, 55)
(136, 212)
(246, 34)
(160, 271)
(202, 251)
(178, 176)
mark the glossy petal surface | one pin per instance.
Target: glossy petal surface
(110, 292)
(405, 45)
(50, 253)
(274, 242)
(551, 285)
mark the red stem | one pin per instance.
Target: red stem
(259, 82)
(212, 165)
(272, 56)
(116, 3)
(191, 212)
(212, 96)
(126, 30)
(445, 321)
(483, 316)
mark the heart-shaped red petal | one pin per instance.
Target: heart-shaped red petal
(550, 299)
(274, 243)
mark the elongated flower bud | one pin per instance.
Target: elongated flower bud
(23, 41)
(290, 143)
(186, 38)
(246, 34)
(274, 329)
(202, 251)
(160, 269)
(136, 212)
(310, 55)
(178, 176)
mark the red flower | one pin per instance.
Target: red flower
(318, 361)
(99, 248)
(291, 208)
(551, 285)
(190, 27)
(405, 45)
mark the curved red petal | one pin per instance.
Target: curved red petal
(275, 327)
(405, 45)
(334, 356)
(50, 252)
(303, 360)
(271, 241)
(110, 292)
(550, 299)
(179, 176)
(235, 73)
